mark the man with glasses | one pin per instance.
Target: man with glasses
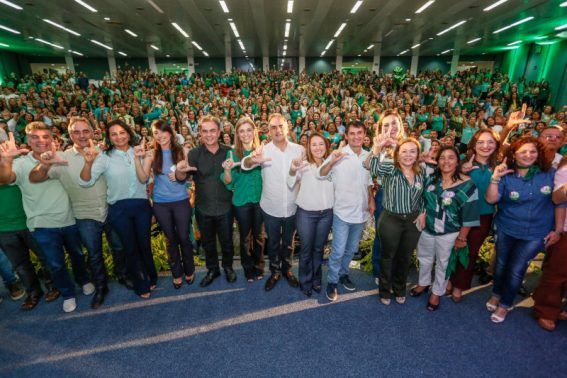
(552, 138)
(89, 204)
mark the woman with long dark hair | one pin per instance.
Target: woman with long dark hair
(170, 199)
(129, 210)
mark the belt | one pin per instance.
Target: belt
(411, 216)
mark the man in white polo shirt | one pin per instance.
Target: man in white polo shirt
(354, 203)
(48, 211)
(277, 201)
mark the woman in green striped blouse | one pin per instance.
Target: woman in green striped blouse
(400, 223)
(247, 189)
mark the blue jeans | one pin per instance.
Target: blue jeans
(91, 237)
(346, 237)
(280, 241)
(117, 250)
(513, 257)
(376, 244)
(313, 228)
(6, 271)
(52, 241)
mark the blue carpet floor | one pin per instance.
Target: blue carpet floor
(240, 330)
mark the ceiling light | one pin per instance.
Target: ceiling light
(75, 52)
(61, 27)
(547, 42)
(86, 5)
(424, 6)
(541, 37)
(121, 53)
(10, 4)
(205, 53)
(154, 47)
(4, 45)
(285, 47)
(131, 32)
(155, 6)
(563, 4)
(452, 27)
(101, 44)
(340, 29)
(49, 43)
(233, 27)
(167, 55)
(446, 51)
(223, 6)
(284, 53)
(323, 53)
(369, 47)
(246, 56)
(514, 24)
(359, 54)
(390, 32)
(241, 44)
(431, 39)
(490, 7)
(287, 26)
(474, 40)
(356, 6)
(513, 43)
(289, 6)
(403, 52)
(329, 44)
(183, 33)
(9, 29)
(564, 26)
(416, 45)
(197, 45)
(107, 19)
(408, 19)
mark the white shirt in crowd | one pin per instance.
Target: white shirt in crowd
(315, 193)
(277, 199)
(351, 181)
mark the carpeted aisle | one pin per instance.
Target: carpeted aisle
(240, 330)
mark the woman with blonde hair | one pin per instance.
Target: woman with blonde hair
(247, 189)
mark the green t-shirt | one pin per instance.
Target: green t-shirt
(246, 185)
(12, 215)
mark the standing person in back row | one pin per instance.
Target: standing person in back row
(213, 202)
(354, 203)
(277, 200)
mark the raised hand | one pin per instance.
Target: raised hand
(338, 154)
(229, 163)
(140, 150)
(469, 165)
(9, 150)
(51, 157)
(428, 158)
(382, 140)
(90, 153)
(501, 170)
(184, 167)
(298, 163)
(257, 156)
(517, 118)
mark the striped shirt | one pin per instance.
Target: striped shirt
(400, 197)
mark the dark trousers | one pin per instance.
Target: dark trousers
(91, 237)
(211, 227)
(398, 238)
(52, 241)
(313, 228)
(462, 277)
(376, 243)
(17, 246)
(553, 284)
(117, 250)
(249, 218)
(280, 241)
(174, 219)
(132, 220)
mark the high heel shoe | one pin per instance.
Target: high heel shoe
(176, 285)
(190, 280)
(495, 318)
(491, 307)
(415, 293)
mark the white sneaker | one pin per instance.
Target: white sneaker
(69, 305)
(377, 281)
(401, 300)
(88, 289)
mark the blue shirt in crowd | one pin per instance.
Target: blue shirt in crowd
(164, 189)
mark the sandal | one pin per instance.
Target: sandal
(456, 298)
(416, 293)
(433, 307)
(30, 302)
(146, 295)
(491, 307)
(190, 280)
(177, 285)
(498, 318)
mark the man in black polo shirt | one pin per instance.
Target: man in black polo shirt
(213, 202)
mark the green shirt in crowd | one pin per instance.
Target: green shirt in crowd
(13, 217)
(246, 185)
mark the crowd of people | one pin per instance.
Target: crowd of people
(440, 161)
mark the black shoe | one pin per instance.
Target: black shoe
(332, 292)
(176, 285)
(317, 288)
(52, 294)
(272, 281)
(347, 283)
(416, 293)
(17, 291)
(484, 278)
(126, 282)
(291, 279)
(230, 275)
(307, 292)
(210, 277)
(30, 302)
(98, 297)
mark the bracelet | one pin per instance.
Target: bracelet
(463, 240)
(494, 181)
